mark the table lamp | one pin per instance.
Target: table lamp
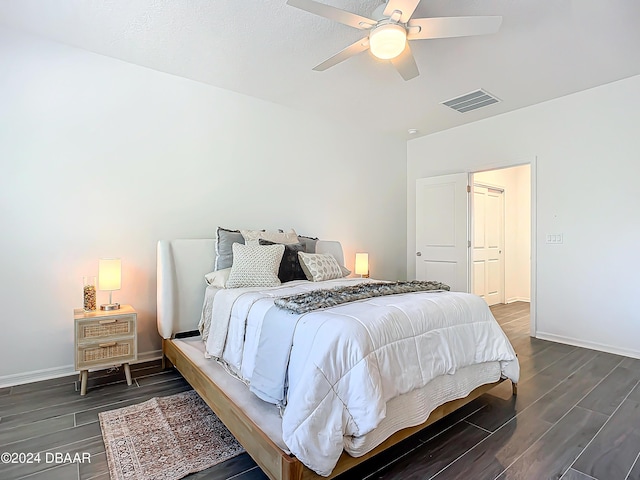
(109, 279)
(362, 264)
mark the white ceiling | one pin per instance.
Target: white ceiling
(266, 49)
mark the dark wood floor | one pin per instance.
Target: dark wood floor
(576, 417)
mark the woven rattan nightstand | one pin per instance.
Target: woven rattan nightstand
(104, 339)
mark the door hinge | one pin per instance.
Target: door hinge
(468, 188)
(468, 243)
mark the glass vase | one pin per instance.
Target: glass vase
(89, 293)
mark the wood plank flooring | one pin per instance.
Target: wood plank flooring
(576, 417)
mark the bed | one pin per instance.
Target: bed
(259, 425)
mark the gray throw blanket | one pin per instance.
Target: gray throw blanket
(330, 297)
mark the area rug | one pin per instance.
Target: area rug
(165, 438)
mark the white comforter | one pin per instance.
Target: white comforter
(349, 360)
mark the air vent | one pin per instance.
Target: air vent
(471, 101)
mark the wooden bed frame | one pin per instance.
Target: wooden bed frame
(276, 464)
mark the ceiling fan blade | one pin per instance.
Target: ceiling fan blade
(406, 64)
(446, 27)
(353, 49)
(407, 7)
(333, 13)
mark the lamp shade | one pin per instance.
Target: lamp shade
(388, 41)
(109, 274)
(362, 263)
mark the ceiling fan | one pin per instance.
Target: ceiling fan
(390, 29)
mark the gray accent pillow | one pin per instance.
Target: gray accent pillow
(309, 243)
(225, 239)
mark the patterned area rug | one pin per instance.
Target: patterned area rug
(165, 438)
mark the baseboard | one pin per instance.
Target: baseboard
(518, 299)
(150, 355)
(36, 376)
(586, 344)
(57, 372)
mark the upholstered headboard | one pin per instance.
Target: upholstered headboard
(181, 267)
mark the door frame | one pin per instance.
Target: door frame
(472, 227)
(532, 161)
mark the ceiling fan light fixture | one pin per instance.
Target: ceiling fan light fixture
(387, 41)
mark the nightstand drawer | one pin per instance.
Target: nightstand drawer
(116, 351)
(93, 330)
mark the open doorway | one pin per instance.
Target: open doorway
(501, 235)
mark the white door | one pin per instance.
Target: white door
(442, 247)
(488, 243)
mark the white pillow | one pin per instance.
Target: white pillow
(320, 266)
(252, 237)
(255, 266)
(218, 278)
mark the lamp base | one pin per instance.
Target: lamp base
(110, 306)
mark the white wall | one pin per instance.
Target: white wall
(587, 155)
(516, 182)
(103, 158)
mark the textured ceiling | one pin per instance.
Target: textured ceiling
(267, 49)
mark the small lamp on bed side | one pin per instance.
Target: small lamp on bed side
(362, 264)
(109, 279)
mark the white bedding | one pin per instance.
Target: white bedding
(404, 411)
(234, 326)
(348, 361)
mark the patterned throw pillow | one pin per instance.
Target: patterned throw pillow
(320, 266)
(252, 237)
(290, 268)
(255, 266)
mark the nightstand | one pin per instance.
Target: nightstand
(104, 339)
